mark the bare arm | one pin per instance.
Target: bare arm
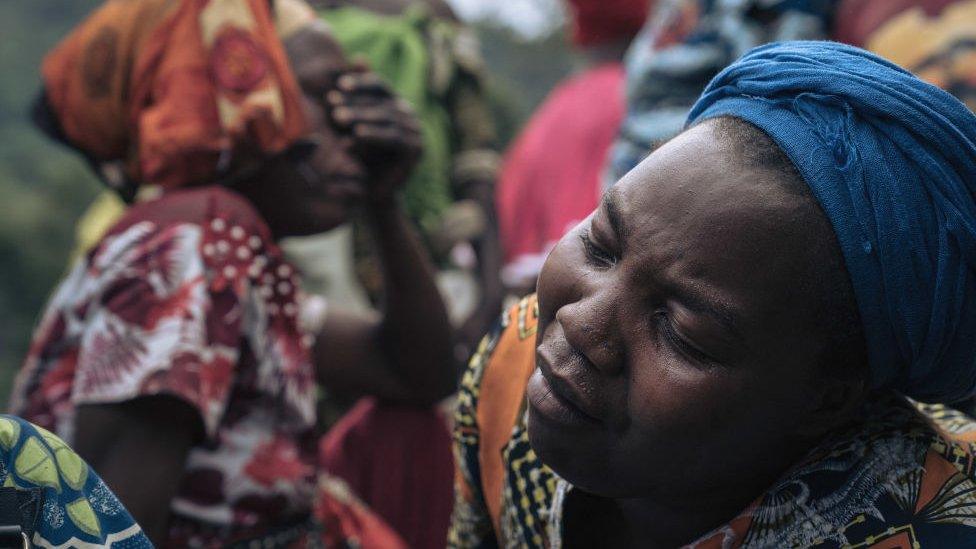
(139, 448)
(489, 251)
(407, 354)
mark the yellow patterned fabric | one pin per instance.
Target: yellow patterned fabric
(501, 486)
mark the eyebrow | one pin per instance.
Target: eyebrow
(613, 215)
(715, 309)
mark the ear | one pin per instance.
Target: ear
(833, 401)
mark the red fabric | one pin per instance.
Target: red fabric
(189, 296)
(856, 20)
(551, 176)
(600, 21)
(347, 522)
(398, 461)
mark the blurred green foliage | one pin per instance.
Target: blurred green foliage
(44, 187)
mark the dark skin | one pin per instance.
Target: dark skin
(677, 374)
(487, 247)
(368, 144)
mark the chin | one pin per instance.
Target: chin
(589, 462)
(579, 461)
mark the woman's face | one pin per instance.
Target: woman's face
(676, 353)
(317, 193)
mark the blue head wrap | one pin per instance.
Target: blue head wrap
(892, 161)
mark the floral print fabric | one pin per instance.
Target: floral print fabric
(77, 509)
(188, 296)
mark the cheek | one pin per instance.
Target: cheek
(306, 212)
(683, 424)
(703, 423)
(334, 156)
(670, 396)
(562, 276)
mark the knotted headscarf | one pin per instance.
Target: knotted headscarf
(892, 161)
(168, 91)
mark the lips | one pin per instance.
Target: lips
(565, 391)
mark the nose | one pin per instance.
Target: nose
(590, 327)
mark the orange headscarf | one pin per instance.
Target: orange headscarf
(172, 89)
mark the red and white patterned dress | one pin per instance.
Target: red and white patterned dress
(189, 296)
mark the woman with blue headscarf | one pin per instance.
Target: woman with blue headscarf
(750, 343)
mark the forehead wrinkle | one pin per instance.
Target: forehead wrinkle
(687, 282)
(316, 57)
(662, 265)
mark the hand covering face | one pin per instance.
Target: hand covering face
(891, 160)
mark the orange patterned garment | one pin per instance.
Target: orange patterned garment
(935, 39)
(175, 90)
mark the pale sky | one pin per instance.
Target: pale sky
(528, 17)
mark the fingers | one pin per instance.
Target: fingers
(382, 115)
(393, 110)
(374, 126)
(372, 136)
(362, 87)
(380, 128)
(381, 118)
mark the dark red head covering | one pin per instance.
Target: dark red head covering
(600, 21)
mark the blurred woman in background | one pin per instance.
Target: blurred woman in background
(433, 61)
(177, 355)
(935, 39)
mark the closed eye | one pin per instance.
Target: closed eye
(597, 255)
(666, 329)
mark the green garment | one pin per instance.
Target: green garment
(402, 50)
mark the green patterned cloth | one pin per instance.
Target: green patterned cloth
(436, 66)
(403, 50)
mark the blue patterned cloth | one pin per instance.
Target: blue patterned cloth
(684, 44)
(891, 160)
(78, 509)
